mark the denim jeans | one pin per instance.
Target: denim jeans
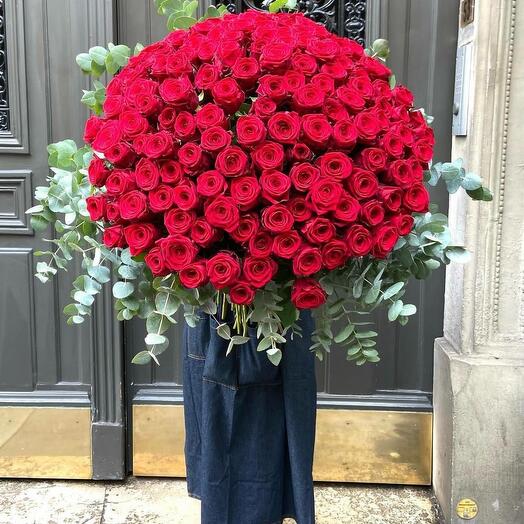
(250, 428)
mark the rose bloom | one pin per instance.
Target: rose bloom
(386, 237)
(345, 134)
(155, 262)
(97, 172)
(372, 212)
(250, 130)
(147, 174)
(214, 139)
(307, 293)
(185, 195)
(277, 218)
(263, 107)
(362, 184)
(114, 236)
(268, 155)
(140, 237)
(193, 275)
(209, 116)
(247, 228)
(416, 198)
(177, 251)
(246, 71)
(299, 209)
(325, 195)
(347, 210)
(245, 191)
(120, 181)
(303, 176)
(223, 270)
(161, 198)
(307, 262)
(259, 271)
(133, 123)
(335, 165)
(210, 184)
(223, 213)
(241, 294)
(231, 162)
(261, 244)
(171, 172)
(317, 130)
(318, 230)
(284, 127)
(203, 233)
(285, 245)
(178, 221)
(133, 205)
(227, 95)
(334, 254)
(184, 126)
(358, 240)
(96, 206)
(275, 186)
(190, 155)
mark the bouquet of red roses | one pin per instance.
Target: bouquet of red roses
(257, 163)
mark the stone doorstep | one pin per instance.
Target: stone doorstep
(165, 501)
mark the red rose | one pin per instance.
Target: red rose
(161, 198)
(324, 83)
(228, 95)
(147, 174)
(304, 63)
(403, 95)
(317, 130)
(246, 72)
(299, 208)
(334, 254)
(158, 144)
(247, 228)
(178, 221)
(335, 165)
(97, 172)
(96, 206)
(284, 127)
(368, 125)
(120, 181)
(307, 293)
(120, 155)
(223, 213)
(386, 237)
(133, 205)
(223, 270)
(275, 55)
(362, 184)
(185, 195)
(325, 195)
(91, 128)
(241, 294)
(372, 212)
(423, 151)
(373, 159)
(250, 130)
(193, 275)
(416, 198)
(393, 144)
(177, 251)
(347, 209)
(403, 223)
(210, 184)
(207, 76)
(275, 186)
(167, 118)
(307, 262)
(345, 134)
(285, 245)
(268, 155)
(318, 230)
(133, 123)
(300, 153)
(171, 172)
(277, 218)
(303, 176)
(155, 262)
(391, 197)
(179, 92)
(323, 48)
(263, 107)
(259, 271)
(400, 173)
(351, 98)
(231, 162)
(308, 98)
(293, 80)
(190, 155)
(272, 86)
(140, 237)
(114, 236)
(108, 135)
(335, 110)
(203, 233)
(214, 139)
(358, 240)
(184, 126)
(261, 244)
(113, 212)
(209, 116)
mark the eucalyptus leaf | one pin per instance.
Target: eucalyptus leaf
(122, 289)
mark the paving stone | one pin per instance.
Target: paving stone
(165, 501)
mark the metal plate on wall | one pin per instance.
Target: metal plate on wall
(390, 447)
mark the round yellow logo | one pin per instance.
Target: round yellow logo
(467, 509)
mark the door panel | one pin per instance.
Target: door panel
(396, 393)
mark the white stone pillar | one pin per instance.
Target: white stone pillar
(479, 363)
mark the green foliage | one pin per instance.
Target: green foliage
(181, 14)
(99, 59)
(94, 99)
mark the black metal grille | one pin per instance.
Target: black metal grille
(347, 18)
(4, 99)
